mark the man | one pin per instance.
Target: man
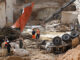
(21, 42)
(33, 34)
(6, 39)
(6, 44)
(8, 48)
(37, 34)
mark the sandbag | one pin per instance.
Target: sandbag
(20, 52)
(57, 41)
(66, 38)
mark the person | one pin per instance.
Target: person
(33, 34)
(8, 48)
(6, 39)
(5, 43)
(20, 42)
(37, 34)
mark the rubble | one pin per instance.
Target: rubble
(30, 45)
(62, 28)
(26, 36)
(20, 52)
(9, 32)
(56, 26)
(50, 26)
(14, 45)
(12, 34)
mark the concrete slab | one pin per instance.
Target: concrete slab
(2, 15)
(68, 17)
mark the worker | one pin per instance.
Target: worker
(21, 42)
(37, 34)
(8, 48)
(6, 39)
(5, 43)
(33, 34)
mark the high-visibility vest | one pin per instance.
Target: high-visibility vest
(38, 31)
(33, 36)
(5, 42)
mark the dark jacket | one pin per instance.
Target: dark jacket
(33, 32)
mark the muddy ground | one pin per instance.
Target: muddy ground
(35, 52)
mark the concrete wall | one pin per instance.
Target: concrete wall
(77, 4)
(68, 17)
(9, 10)
(2, 15)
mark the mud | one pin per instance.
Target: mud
(73, 54)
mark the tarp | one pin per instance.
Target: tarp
(21, 22)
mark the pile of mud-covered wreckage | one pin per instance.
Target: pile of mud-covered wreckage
(59, 35)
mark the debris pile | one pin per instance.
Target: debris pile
(29, 44)
(60, 44)
(9, 32)
(12, 34)
(20, 52)
(14, 45)
(73, 54)
(26, 36)
(62, 28)
(50, 26)
(55, 25)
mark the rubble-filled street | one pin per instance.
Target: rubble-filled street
(39, 29)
